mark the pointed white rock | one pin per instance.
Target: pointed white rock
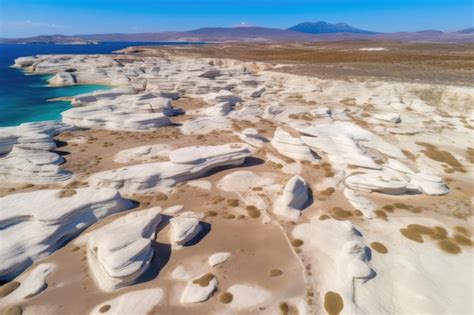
(218, 258)
(295, 195)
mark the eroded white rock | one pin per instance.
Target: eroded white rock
(199, 289)
(292, 147)
(218, 258)
(185, 163)
(120, 252)
(34, 224)
(294, 196)
(184, 228)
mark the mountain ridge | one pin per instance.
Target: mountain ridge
(334, 32)
(322, 27)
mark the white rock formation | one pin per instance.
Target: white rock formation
(359, 202)
(120, 252)
(63, 79)
(336, 248)
(199, 289)
(31, 284)
(248, 185)
(363, 138)
(136, 302)
(32, 166)
(341, 149)
(185, 163)
(34, 224)
(293, 198)
(292, 147)
(144, 153)
(396, 182)
(218, 258)
(184, 228)
(252, 137)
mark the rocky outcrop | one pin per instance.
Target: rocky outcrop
(34, 224)
(185, 163)
(32, 166)
(184, 228)
(337, 247)
(121, 251)
(218, 258)
(199, 289)
(292, 147)
(295, 195)
(252, 137)
(30, 284)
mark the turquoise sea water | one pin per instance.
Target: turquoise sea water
(23, 98)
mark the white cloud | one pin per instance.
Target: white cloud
(243, 24)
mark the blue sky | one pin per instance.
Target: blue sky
(20, 18)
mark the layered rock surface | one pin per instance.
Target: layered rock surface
(120, 252)
(29, 232)
(185, 163)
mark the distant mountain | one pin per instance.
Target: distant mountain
(324, 32)
(250, 33)
(325, 28)
(50, 39)
(466, 31)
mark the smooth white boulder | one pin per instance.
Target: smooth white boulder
(218, 258)
(184, 228)
(294, 196)
(252, 137)
(34, 224)
(185, 163)
(121, 251)
(197, 290)
(292, 147)
(140, 302)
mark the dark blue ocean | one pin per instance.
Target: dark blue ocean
(23, 98)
